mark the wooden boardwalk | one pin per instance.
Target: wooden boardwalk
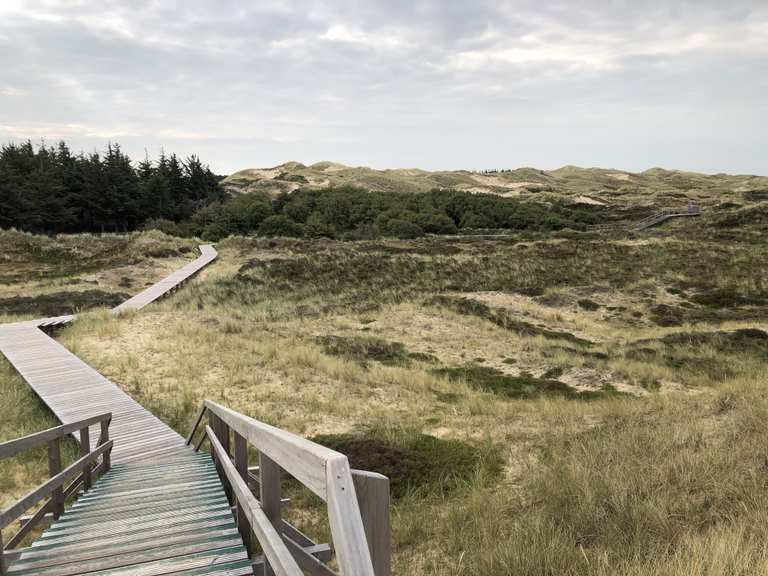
(158, 290)
(161, 508)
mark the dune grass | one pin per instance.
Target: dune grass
(662, 471)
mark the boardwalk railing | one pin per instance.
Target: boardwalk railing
(648, 221)
(85, 470)
(357, 501)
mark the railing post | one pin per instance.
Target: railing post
(85, 448)
(107, 458)
(3, 564)
(270, 498)
(213, 421)
(241, 465)
(223, 435)
(372, 492)
(54, 467)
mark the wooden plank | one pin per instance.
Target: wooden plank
(85, 447)
(54, 467)
(241, 465)
(372, 491)
(161, 288)
(104, 556)
(346, 523)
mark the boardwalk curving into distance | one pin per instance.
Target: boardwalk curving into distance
(161, 509)
(170, 283)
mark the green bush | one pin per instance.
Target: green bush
(403, 229)
(280, 225)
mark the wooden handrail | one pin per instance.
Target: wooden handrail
(55, 486)
(304, 460)
(278, 555)
(13, 447)
(11, 513)
(359, 523)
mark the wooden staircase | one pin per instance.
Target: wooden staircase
(664, 215)
(170, 517)
(648, 222)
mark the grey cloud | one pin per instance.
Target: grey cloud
(438, 84)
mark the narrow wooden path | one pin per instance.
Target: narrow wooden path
(159, 289)
(161, 509)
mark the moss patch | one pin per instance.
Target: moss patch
(365, 349)
(416, 462)
(61, 302)
(742, 340)
(523, 386)
(588, 304)
(470, 307)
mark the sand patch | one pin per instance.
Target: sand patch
(499, 182)
(588, 200)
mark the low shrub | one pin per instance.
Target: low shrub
(415, 462)
(364, 349)
(523, 387)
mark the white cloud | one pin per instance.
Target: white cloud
(12, 92)
(609, 50)
(373, 39)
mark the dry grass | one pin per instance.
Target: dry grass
(669, 478)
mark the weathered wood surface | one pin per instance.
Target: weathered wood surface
(207, 255)
(75, 391)
(161, 508)
(144, 518)
(325, 472)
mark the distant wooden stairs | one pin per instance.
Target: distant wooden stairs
(650, 221)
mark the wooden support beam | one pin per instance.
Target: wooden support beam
(54, 467)
(31, 523)
(307, 558)
(3, 560)
(269, 495)
(85, 448)
(347, 530)
(198, 419)
(241, 465)
(372, 492)
(103, 438)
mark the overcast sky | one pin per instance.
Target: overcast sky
(435, 84)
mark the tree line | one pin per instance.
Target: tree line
(350, 213)
(49, 189)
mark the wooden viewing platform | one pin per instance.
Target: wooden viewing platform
(147, 503)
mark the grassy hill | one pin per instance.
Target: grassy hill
(656, 186)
